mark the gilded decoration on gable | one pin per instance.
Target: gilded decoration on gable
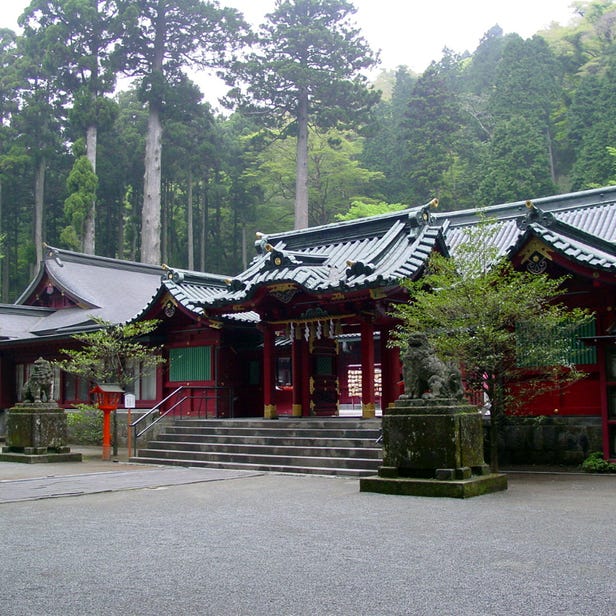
(536, 255)
(284, 296)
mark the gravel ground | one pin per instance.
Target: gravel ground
(273, 544)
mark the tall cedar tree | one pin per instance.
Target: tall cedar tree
(78, 38)
(38, 122)
(307, 68)
(161, 37)
(429, 130)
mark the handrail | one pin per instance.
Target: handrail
(157, 406)
(156, 409)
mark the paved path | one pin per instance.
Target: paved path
(109, 481)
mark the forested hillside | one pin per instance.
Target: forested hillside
(515, 119)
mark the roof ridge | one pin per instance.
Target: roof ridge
(515, 209)
(59, 254)
(347, 229)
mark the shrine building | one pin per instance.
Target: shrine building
(304, 331)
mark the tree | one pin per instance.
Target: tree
(38, 123)
(78, 38)
(528, 87)
(112, 353)
(516, 164)
(160, 38)
(480, 312)
(336, 176)
(81, 184)
(384, 149)
(307, 69)
(362, 209)
(430, 130)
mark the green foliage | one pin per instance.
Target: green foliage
(469, 304)
(595, 463)
(336, 176)
(309, 48)
(430, 129)
(516, 165)
(363, 209)
(81, 184)
(85, 425)
(113, 353)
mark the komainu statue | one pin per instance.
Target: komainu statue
(425, 375)
(37, 388)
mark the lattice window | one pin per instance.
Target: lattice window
(190, 364)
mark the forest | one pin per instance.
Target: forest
(108, 146)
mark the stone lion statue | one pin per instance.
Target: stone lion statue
(38, 387)
(425, 375)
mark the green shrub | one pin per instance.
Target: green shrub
(85, 425)
(595, 463)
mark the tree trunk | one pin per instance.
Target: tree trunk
(497, 411)
(493, 441)
(204, 225)
(189, 223)
(301, 180)
(150, 215)
(165, 206)
(89, 230)
(39, 195)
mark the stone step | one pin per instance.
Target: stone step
(273, 468)
(275, 449)
(284, 441)
(267, 459)
(300, 445)
(263, 431)
(291, 422)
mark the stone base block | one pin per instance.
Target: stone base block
(42, 458)
(409, 486)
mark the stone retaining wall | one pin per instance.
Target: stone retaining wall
(549, 440)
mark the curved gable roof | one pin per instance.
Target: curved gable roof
(347, 256)
(581, 226)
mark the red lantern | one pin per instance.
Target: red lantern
(107, 398)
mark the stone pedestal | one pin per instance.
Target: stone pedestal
(37, 432)
(433, 447)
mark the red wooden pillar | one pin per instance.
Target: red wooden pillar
(297, 371)
(269, 392)
(306, 376)
(390, 372)
(367, 370)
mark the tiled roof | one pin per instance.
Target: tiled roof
(17, 322)
(195, 290)
(111, 289)
(581, 226)
(380, 251)
(373, 252)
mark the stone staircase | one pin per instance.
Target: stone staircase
(325, 446)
